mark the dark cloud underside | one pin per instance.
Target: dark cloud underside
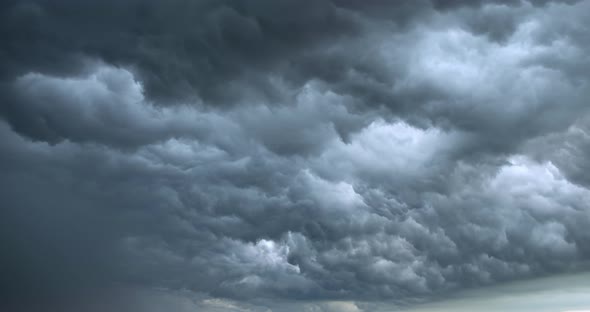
(280, 151)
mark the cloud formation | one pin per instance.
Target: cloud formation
(281, 151)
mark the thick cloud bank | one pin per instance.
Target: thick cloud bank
(264, 152)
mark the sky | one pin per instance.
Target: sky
(564, 293)
(294, 155)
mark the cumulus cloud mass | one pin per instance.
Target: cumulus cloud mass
(289, 155)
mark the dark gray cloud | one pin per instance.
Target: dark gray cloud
(272, 154)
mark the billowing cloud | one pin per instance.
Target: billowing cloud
(246, 156)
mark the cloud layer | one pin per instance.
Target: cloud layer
(291, 150)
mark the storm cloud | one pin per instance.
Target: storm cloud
(289, 155)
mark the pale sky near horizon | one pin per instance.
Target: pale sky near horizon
(567, 293)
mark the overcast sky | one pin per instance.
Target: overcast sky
(294, 155)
